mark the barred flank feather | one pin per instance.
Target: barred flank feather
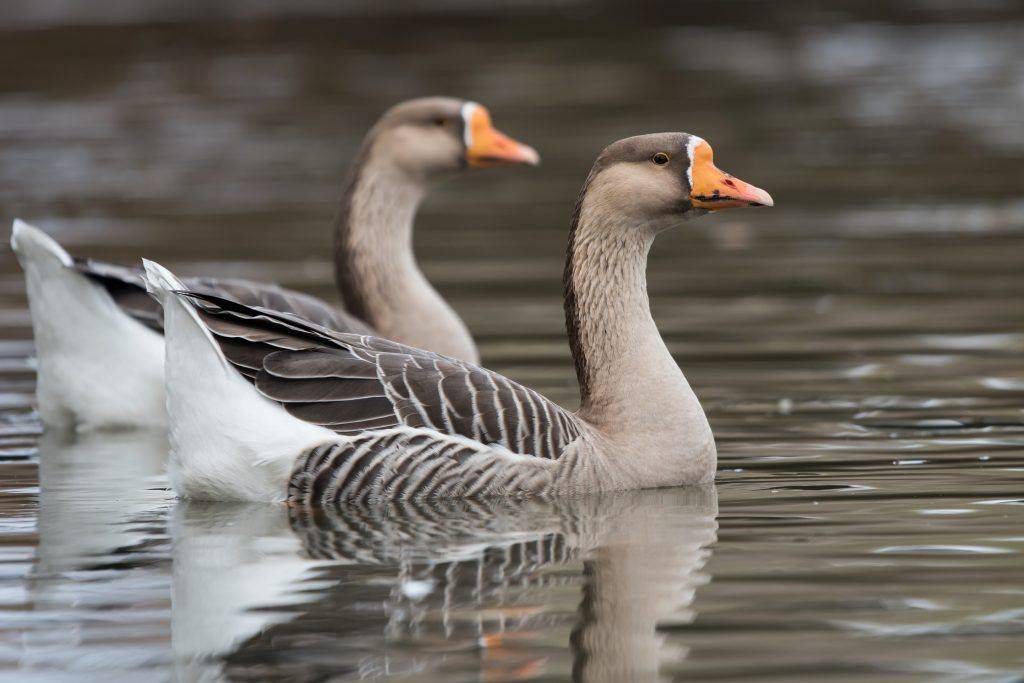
(412, 464)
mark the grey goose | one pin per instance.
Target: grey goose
(265, 406)
(98, 333)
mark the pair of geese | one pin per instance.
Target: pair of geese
(271, 395)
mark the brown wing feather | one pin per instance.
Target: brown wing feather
(128, 289)
(349, 382)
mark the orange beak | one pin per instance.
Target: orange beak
(488, 146)
(713, 189)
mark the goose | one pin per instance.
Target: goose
(99, 335)
(265, 406)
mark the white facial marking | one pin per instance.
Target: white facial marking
(467, 117)
(690, 146)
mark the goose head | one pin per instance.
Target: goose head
(661, 179)
(432, 137)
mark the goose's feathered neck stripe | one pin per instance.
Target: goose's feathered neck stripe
(350, 285)
(569, 293)
(571, 304)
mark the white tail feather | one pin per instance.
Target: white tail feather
(98, 367)
(228, 442)
(160, 282)
(32, 243)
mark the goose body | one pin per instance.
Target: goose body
(99, 334)
(298, 411)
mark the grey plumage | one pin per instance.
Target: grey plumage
(126, 287)
(409, 465)
(350, 383)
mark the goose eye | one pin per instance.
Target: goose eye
(660, 158)
(440, 122)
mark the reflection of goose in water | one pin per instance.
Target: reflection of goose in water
(439, 590)
(101, 552)
(100, 497)
(232, 566)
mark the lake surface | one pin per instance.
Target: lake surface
(859, 349)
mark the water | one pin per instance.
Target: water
(858, 348)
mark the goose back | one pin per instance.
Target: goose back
(126, 287)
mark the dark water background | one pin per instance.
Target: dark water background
(859, 348)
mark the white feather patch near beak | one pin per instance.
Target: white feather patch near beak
(467, 123)
(690, 147)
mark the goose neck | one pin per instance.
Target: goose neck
(631, 388)
(376, 270)
(374, 260)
